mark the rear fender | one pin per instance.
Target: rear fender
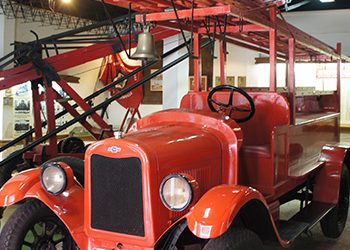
(69, 206)
(327, 182)
(214, 213)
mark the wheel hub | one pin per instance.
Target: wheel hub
(45, 244)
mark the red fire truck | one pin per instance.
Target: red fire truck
(211, 174)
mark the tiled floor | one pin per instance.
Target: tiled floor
(313, 241)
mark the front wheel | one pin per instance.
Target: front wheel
(34, 226)
(235, 239)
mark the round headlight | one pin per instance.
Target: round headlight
(176, 192)
(53, 178)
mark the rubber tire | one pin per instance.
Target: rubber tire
(330, 224)
(17, 226)
(75, 163)
(235, 239)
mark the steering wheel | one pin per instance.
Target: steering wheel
(229, 109)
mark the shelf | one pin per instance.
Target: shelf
(311, 91)
(303, 118)
(300, 91)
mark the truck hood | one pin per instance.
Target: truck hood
(178, 147)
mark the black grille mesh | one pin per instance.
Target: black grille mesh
(116, 195)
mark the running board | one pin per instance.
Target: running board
(303, 220)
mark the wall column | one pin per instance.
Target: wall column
(175, 80)
(7, 36)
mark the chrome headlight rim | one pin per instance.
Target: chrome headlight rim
(188, 184)
(64, 173)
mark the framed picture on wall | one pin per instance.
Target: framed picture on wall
(242, 81)
(156, 82)
(204, 83)
(230, 80)
(8, 101)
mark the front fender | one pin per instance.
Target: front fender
(16, 188)
(215, 211)
(327, 181)
(69, 206)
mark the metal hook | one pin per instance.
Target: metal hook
(240, 27)
(36, 36)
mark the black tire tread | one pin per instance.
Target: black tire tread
(235, 239)
(11, 233)
(329, 224)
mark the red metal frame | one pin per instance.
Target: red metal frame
(132, 113)
(50, 96)
(198, 12)
(291, 77)
(273, 50)
(162, 5)
(223, 58)
(197, 68)
(339, 61)
(254, 21)
(235, 29)
(69, 59)
(36, 109)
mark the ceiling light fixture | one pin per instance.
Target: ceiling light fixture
(66, 1)
(327, 1)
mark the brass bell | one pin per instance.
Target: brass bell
(146, 47)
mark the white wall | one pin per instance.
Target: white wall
(23, 29)
(239, 62)
(175, 79)
(2, 29)
(345, 102)
(330, 26)
(305, 76)
(7, 36)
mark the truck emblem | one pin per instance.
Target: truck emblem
(114, 149)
